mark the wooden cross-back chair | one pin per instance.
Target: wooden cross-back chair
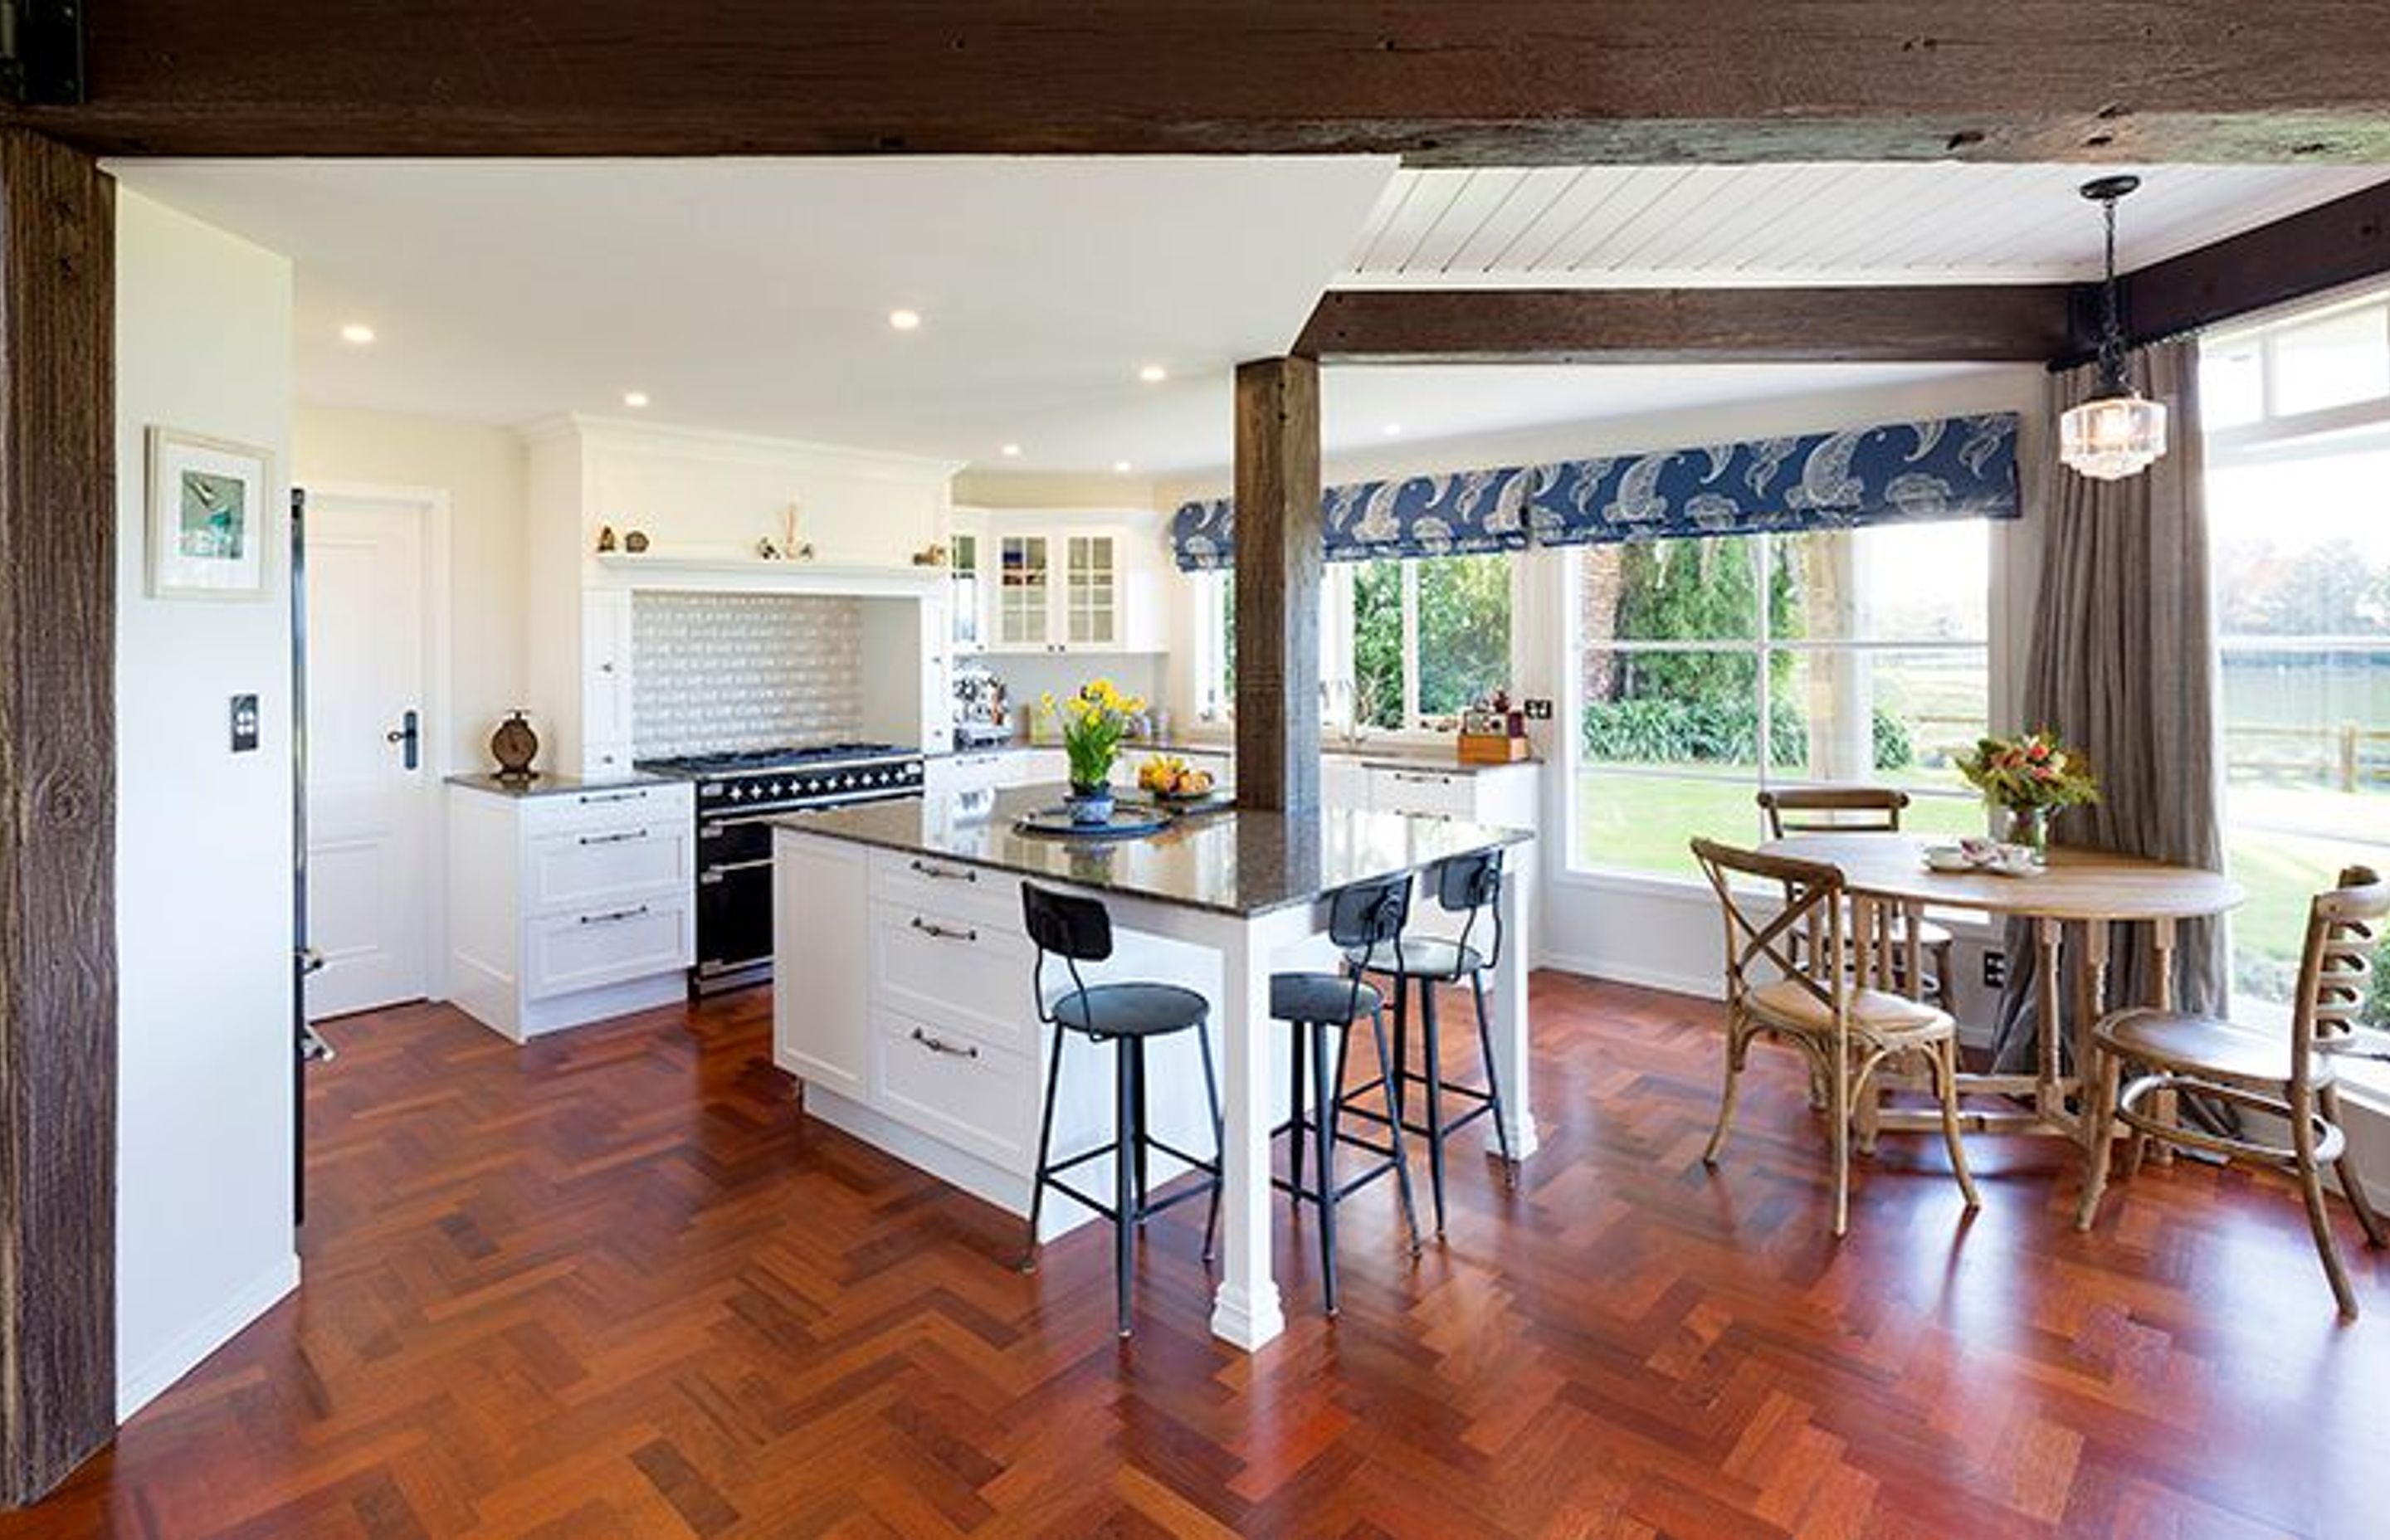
(1846, 1031)
(1866, 810)
(2287, 1075)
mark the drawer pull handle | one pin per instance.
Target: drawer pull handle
(589, 799)
(614, 839)
(939, 1045)
(945, 874)
(612, 915)
(943, 933)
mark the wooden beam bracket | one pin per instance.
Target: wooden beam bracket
(41, 52)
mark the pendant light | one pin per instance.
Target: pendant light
(2119, 433)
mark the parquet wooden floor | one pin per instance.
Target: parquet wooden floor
(613, 1284)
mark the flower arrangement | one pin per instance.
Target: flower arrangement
(1095, 723)
(2031, 776)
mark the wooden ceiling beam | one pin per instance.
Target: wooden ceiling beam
(1941, 323)
(1494, 82)
(2328, 247)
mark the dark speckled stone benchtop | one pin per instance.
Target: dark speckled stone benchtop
(1230, 862)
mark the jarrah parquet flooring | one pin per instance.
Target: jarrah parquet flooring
(614, 1284)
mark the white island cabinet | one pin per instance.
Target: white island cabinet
(569, 902)
(903, 993)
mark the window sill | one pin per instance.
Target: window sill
(1963, 925)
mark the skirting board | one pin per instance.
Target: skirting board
(140, 1386)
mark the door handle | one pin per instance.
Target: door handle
(409, 734)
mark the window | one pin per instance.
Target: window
(1404, 644)
(1712, 668)
(2299, 530)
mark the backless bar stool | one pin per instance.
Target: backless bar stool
(1128, 1016)
(1315, 1005)
(1469, 885)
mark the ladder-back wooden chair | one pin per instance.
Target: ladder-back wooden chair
(2288, 1075)
(1847, 1032)
(1866, 810)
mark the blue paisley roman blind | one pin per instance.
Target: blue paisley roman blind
(1936, 468)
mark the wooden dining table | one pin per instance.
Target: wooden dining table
(2087, 890)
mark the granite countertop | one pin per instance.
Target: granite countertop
(1379, 758)
(549, 785)
(1228, 860)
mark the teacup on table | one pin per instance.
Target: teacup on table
(2015, 860)
(1948, 858)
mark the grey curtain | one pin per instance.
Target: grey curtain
(2122, 664)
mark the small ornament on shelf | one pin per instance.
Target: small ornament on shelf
(605, 539)
(930, 556)
(791, 547)
(635, 541)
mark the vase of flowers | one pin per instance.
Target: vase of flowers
(2031, 778)
(1095, 723)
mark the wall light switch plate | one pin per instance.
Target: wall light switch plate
(1538, 709)
(244, 723)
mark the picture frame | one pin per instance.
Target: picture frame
(211, 524)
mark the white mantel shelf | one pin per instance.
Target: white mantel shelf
(748, 574)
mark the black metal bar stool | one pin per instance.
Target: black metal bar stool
(1469, 885)
(1129, 1016)
(1360, 918)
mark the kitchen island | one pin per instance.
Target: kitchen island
(903, 996)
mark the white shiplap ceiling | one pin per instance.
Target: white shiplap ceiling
(1615, 226)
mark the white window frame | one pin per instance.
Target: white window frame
(1573, 868)
(1336, 664)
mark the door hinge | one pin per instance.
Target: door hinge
(41, 52)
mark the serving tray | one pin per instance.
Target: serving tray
(1127, 818)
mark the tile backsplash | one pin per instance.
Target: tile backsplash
(714, 671)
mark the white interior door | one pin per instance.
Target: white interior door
(367, 811)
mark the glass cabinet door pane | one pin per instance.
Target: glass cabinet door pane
(1021, 589)
(964, 567)
(1090, 589)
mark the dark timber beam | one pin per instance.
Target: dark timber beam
(57, 813)
(1280, 561)
(2021, 322)
(2341, 242)
(1490, 81)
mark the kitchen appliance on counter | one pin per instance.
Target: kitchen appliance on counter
(737, 794)
(981, 715)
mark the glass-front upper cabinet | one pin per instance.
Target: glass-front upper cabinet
(1090, 590)
(963, 565)
(1024, 590)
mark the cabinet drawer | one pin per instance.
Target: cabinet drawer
(607, 807)
(596, 869)
(1423, 793)
(933, 885)
(589, 949)
(953, 971)
(977, 1098)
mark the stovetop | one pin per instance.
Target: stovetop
(749, 760)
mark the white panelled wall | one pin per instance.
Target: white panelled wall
(204, 1113)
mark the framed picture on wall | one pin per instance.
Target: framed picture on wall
(210, 516)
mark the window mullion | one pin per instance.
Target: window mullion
(1410, 643)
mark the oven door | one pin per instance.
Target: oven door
(734, 916)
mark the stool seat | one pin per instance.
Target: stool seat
(1327, 997)
(1420, 957)
(1131, 1011)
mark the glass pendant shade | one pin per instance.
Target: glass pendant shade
(2119, 433)
(2113, 437)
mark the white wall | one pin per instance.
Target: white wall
(480, 469)
(204, 1239)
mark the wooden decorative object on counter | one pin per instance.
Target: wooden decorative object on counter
(514, 746)
(1493, 749)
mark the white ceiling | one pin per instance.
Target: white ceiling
(1614, 227)
(753, 294)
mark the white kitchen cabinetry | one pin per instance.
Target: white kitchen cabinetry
(569, 905)
(606, 683)
(993, 770)
(1502, 795)
(967, 569)
(1344, 783)
(1063, 584)
(915, 1026)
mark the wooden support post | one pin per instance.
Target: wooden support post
(57, 794)
(1281, 559)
